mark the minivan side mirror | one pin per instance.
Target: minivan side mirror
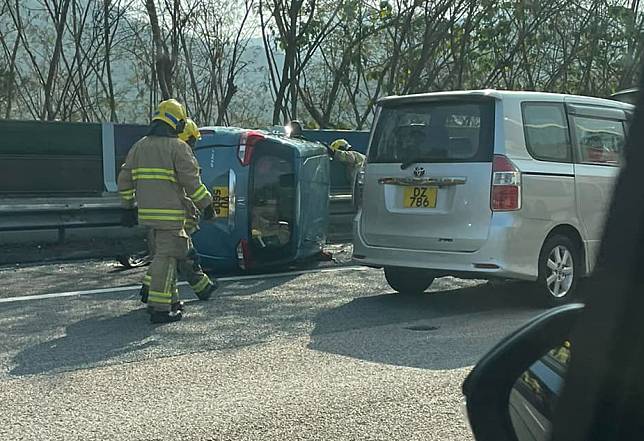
(506, 396)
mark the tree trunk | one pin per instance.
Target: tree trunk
(162, 60)
(108, 63)
(61, 18)
(12, 73)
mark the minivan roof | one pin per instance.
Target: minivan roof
(505, 94)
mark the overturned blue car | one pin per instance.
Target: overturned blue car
(271, 196)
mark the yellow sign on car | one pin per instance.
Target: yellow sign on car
(420, 197)
(220, 201)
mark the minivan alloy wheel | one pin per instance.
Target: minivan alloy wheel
(560, 271)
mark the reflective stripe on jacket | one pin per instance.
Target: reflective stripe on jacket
(159, 174)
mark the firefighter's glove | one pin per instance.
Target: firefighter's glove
(129, 218)
(208, 213)
(257, 235)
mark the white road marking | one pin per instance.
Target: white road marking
(137, 287)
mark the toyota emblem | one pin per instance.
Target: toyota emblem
(419, 171)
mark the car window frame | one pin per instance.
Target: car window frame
(575, 141)
(279, 150)
(531, 152)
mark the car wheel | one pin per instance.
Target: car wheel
(408, 280)
(559, 269)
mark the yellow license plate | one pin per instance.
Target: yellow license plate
(420, 197)
(220, 201)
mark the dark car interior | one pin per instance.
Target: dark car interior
(272, 203)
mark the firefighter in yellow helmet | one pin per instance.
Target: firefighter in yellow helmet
(190, 136)
(340, 150)
(159, 171)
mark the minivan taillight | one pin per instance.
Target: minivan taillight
(247, 142)
(243, 255)
(506, 185)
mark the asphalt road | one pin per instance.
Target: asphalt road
(333, 355)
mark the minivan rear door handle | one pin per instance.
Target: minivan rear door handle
(445, 181)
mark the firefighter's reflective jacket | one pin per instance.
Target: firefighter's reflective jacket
(353, 161)
(159, 173)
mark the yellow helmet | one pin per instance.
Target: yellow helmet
(340, 144)
(171, 112)
(191, 131)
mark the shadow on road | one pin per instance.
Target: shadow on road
(87, 342)
(100, 333)
(439, 330)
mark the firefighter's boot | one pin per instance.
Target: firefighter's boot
(206, 293)
(178, 306)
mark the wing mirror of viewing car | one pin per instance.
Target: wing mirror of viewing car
(512, 392)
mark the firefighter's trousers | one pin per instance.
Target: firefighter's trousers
(172, 252)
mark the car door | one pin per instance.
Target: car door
(313, 197)
(598, 137)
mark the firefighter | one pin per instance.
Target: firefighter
(341, 150)
(189, 268)
(190, 136)
(159, 171)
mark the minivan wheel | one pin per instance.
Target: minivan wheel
(559, 269)
(408, 280)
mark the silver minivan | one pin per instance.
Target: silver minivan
(488, 184)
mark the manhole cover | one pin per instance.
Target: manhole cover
(422, 328)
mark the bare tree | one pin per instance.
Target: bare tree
(165, 59)
(330, 60)
(10, 51)
(212, 47)
(321, 88)
(109, 29)
(298, 28)
(58, 13)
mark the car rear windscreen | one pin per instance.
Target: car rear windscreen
(272, 202)
(434, 131)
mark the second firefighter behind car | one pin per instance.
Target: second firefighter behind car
(159, 172)
(340, 150)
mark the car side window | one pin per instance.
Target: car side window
(599, 141)
(546, 132)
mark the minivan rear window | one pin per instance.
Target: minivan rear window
(452, 131)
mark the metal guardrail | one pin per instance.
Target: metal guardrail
(59, 213)
(29, 214)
